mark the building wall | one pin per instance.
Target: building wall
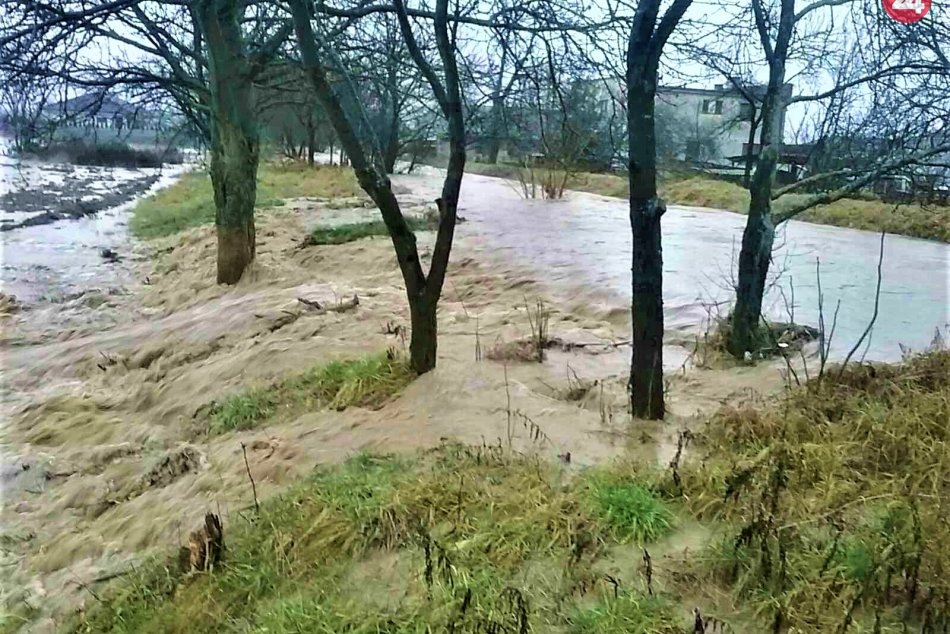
(720, 115)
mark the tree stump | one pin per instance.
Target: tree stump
(206, 545)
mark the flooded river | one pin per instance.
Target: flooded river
(582, 245)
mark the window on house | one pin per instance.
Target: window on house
(712, 106)
(745, 110)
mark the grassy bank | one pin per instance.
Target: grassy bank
(366, 382)
(872, 215)
(832, 506)
(455, 540)
(823, 512)
(190, 201)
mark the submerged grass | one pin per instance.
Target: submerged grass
(365, 382)
(190, 202)
(342, 234)
(835, 501)
(828, 510)
(457, 539)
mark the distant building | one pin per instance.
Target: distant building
(715, 124)
(708, 128)
(96, 110)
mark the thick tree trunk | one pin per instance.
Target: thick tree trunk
(759, 235)
(235, 144)
(423, 343)
(754, 258)
(234, 179)
(646, 366)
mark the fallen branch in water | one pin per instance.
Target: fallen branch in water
(317, 308)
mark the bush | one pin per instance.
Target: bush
(112, 154)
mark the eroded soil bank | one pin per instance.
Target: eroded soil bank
(106, 451)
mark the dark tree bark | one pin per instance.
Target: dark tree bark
(644, 49)
(391, 147)
(759, 234)
(422, 290)
(235, 145)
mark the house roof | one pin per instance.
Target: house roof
(723, 90)
(97, 105)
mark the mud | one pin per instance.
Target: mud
(105, 455)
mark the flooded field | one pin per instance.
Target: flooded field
(56, 219)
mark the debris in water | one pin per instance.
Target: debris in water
(172, 466)
(9, 304)
(109, 255)
(206, 545)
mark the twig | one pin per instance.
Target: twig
(257, 505)
(877, 304)
(508, 404)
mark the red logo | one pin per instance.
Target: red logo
(907, 11)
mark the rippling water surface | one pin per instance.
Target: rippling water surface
(583, 244)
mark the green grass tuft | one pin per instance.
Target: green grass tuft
(629, 510)
(365, 382)
(244, 410)
(626, 613)
(342, 234)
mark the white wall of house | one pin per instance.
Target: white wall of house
(722, 115)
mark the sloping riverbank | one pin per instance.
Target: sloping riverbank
(109, 397)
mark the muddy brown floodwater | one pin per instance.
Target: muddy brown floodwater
(105, 451)
(582, 245)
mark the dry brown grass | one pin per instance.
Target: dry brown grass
(834, 501)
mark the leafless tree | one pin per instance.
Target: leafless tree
(423, 289)
(806, 43)
(647, 35)
(205, 54)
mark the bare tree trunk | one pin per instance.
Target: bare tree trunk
(759, 234)
(391, 149)
(235, 144)
(422, 291)
(497, 111)
(754, 259)
(749, 153)
(646, 366)
(645, 46)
